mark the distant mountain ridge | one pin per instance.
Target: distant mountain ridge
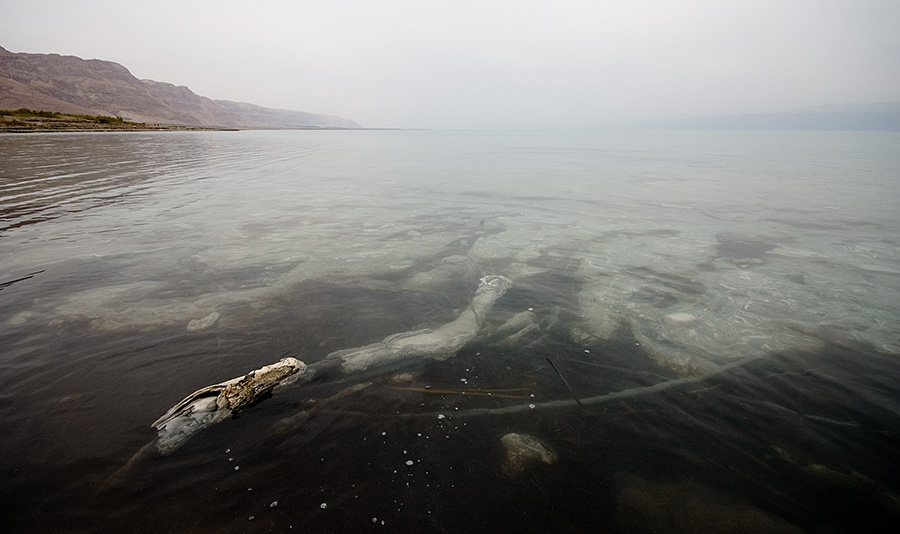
(283, 118)
(872, 107)
(877, 116)
(70, 84)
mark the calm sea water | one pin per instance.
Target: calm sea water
(725, 304)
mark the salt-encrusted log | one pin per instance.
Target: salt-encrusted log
(217, 402)
(438, 344)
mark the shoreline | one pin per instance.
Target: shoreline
(25, 120)
(81, 129)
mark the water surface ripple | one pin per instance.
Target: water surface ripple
(723, 305)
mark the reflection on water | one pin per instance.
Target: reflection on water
(725, 305)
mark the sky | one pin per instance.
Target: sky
(487, 63)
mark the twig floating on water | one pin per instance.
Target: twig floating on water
(561, 377)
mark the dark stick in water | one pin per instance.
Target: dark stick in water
(561, 377)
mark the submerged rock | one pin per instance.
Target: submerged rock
(522, 450)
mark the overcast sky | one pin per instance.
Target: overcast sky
(484, 63)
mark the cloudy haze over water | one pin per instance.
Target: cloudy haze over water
(488, 64)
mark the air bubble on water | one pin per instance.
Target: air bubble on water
(323, 506)
(237, 467)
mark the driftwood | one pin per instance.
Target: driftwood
(217, 402)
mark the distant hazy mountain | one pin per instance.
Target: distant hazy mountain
(874, 107)
(884, 116)
(283, 118)
(69, 84)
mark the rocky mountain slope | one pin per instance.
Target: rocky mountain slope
(69, 84)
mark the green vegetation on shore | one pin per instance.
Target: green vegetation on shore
(29, 120)
(99, 119)
(24, 119)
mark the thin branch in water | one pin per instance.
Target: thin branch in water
(566, 404)
(503, 393)
(564, 381)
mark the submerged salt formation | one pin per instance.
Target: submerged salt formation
(523, 450)
(203, 323)
(436, 344)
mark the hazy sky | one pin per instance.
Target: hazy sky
(484, 63)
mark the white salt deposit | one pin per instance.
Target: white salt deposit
(203, 323)
(680, 318)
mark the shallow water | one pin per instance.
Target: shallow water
(735, 292)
